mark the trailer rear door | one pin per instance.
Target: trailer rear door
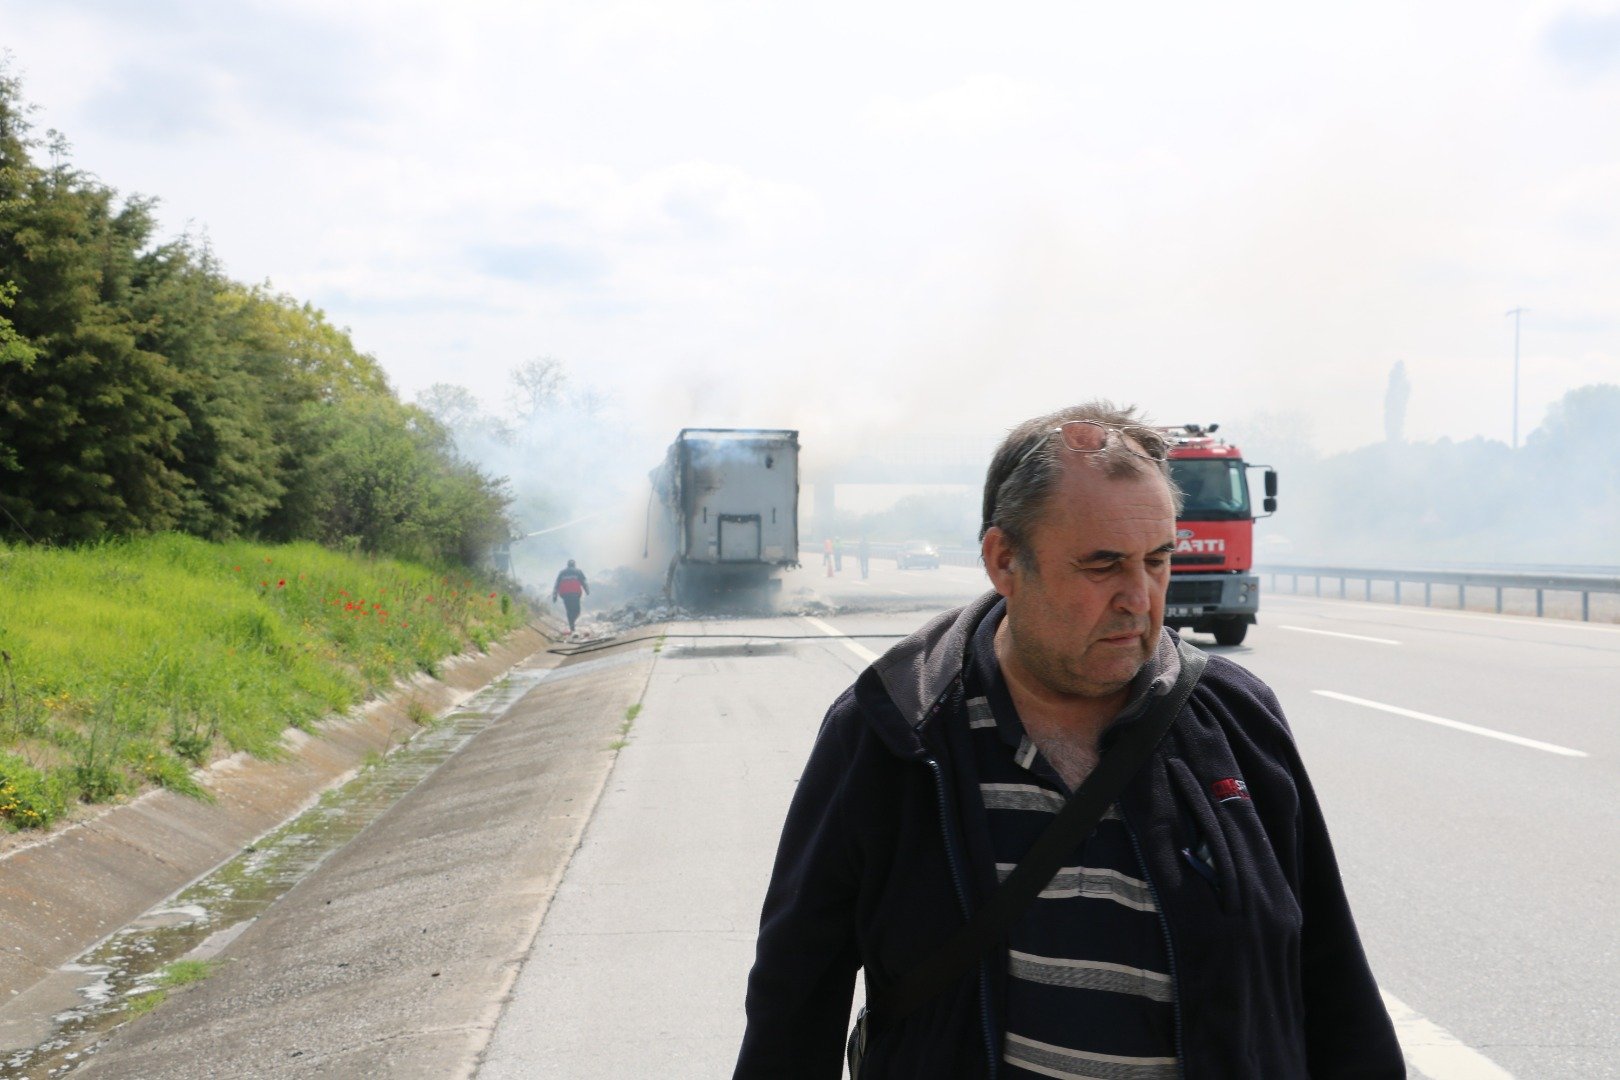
(739, 537)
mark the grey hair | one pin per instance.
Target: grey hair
(1027, 465)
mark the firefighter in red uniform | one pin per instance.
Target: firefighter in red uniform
(570, 586)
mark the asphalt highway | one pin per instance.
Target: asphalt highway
(1466, 764)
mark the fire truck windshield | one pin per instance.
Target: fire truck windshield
(1212, 490)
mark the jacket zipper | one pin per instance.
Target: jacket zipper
(1169, 947)
(962, 902)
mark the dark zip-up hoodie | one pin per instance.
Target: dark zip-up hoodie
(886, 849)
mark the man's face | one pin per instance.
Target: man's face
(1085, 601)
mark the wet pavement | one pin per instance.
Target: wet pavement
(71, 1012)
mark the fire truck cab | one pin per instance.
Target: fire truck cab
(1212, 587)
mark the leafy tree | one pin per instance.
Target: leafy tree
(453, 406)
(1582, 424)
(15, 351)
(300, 360)
(385, 480)
(141, 389)
(320, 359)
(540, 384)
(228, 449)
(1570, 472)
(88, 428)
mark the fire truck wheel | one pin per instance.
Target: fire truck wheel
(1230, 631)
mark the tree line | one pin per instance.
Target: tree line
(143, 390)
(1554, 500)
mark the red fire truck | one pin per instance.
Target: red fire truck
(1212, 589)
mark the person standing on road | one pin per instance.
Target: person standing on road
(863, 551)
(827, 554)
(570, 585)
(838, 555)
(1198, 929)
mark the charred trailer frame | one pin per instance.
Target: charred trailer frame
(731, 502)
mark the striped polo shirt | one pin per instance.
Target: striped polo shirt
(1089, 992)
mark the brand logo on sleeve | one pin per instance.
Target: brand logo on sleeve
(1229, 790)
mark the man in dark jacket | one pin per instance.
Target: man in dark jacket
(1201, 930)
(570, 585)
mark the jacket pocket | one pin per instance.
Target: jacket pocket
(1208, 853)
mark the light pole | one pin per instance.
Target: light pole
(1515, 313)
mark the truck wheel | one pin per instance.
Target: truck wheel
(1230, 631)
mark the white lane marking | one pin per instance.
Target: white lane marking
(1489, 733)
(1434, 1051)
(832, 631)
(1336, 633)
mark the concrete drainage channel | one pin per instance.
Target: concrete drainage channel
(206, 916)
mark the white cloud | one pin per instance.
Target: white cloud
(885, 216)
(684, 201)
(982, 105)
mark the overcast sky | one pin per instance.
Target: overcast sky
(847, 216)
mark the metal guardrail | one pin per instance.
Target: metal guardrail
(1462, 580)
(1539, 582)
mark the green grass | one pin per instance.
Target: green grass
(176, 974)
(630, 715)
(186, 972)
(145, 1003)
(127, 664)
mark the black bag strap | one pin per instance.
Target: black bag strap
(1072, 825)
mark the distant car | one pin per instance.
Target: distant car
(917, 554)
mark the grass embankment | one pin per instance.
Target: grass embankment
(131, 663)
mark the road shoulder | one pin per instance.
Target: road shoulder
(63, 892)
(393, 958)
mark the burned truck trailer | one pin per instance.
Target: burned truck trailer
(730, 498)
